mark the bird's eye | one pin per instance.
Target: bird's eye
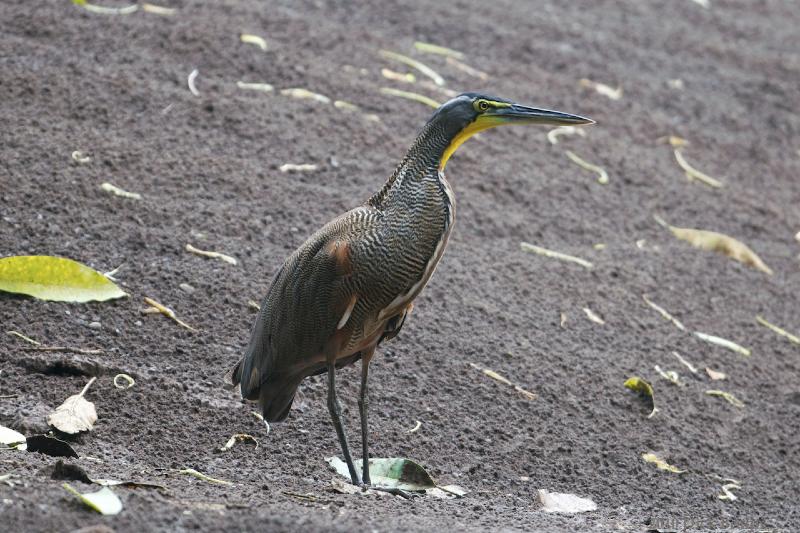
(483, 105)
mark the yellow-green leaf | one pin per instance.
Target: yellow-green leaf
(56, 279)
(104, 501)
(644, 388)
(661, 464)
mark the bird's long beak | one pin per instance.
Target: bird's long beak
(520, 114)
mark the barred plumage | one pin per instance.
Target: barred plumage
(352, 283)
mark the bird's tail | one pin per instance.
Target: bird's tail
(275, 396)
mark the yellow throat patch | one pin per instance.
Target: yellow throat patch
(483, 122)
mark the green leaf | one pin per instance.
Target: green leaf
(391, 472)
(55, 278)
(104, 501)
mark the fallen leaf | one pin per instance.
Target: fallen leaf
(158, 10)
(558, 502)
(725, 343)
(305, 94)
(75, 415)
(415, 428)
(263, 87)
(730, 398)
(669, 375)
(720, 243)
(129, 381)
(439, 50)
(254, 39)
(555, 133)
(602, 175)
(526, 247)
(400, 473)
(50, 446)
(780, 331)
(55, 279)
(411, 96)
(303, 167)
(238, 437)
(405, 77)
(80, 158)
(104, 501)
(663, 312)
(12, 439)
(214, 255)
(685, 363)
(190, 81)
(726, 492)
(644, 388)
(497, 377)
(199, 475)
(591, 315)
(107, 187)
(126, 10)
(692, 173)
(714, 375)
(166, 311)
(413, 63)
(661, 464)
(602, 88)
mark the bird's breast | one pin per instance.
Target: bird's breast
(424, 243)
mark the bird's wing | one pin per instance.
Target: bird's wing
(307, 304)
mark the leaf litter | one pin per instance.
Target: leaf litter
(644, 388)
(214, 255)
(398, 473)
(413, 63)
(76, 414)
(411, 96)
(558, 502)
(497, 377)
(725, 343)
(156, 307)
(730, 398)
(254, 39)
(694, 174)
(776, 329)
(602, 175)
(104, 501)
(116, 191)
(55, 279)
(717, 242)
(532, 248)
(661, 464)
(602, 88)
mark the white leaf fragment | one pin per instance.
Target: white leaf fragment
(263, 87)
(725, 343)
(302, 167)
(76, 414)
(104, 501)
(190, 80)
(527, 247)
(113, 189)
(214, 255)
(254, 39)
(12, 439)
(594, 317)
(557, 502)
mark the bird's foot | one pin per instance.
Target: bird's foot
(391, 490)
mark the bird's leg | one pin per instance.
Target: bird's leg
(336, 417)
(363, 404)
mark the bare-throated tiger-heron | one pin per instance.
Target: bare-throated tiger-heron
(351, 285)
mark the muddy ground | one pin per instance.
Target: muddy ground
(207, 167)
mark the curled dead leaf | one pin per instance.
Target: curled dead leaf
(75, 415)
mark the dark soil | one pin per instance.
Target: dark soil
(115, 88)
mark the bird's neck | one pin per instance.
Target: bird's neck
(422, 167)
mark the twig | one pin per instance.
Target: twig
(526, 247)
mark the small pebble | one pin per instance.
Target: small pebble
(186, 288)
(95, 325)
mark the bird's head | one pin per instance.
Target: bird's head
(468, 113)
